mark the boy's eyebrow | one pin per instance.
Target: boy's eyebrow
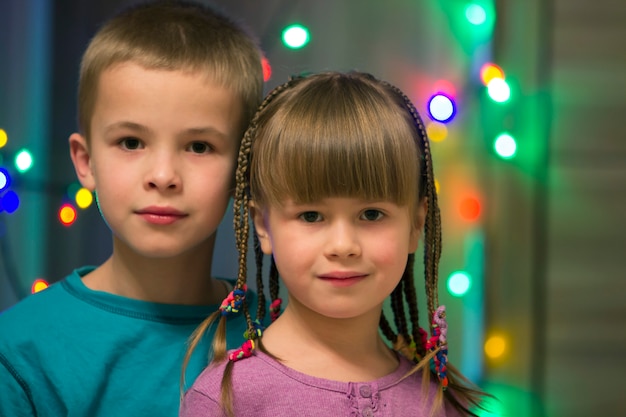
(143, 129)
(126, 125)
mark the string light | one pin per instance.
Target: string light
(39, 285)
(295, 36)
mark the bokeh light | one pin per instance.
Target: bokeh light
(5, 179)
(67, 214)
(38, 285)
(475, 14)
(295, 36)
(23, 160)
(490, 71)
(9, 202)
(441, 108)
(469, 208)
(267, 69)
(4, 138)
(499, 90)
(459, 283)
(436, 131)
(84, 198)
(505, 146)
(495, 346)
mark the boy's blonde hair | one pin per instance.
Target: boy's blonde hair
(171, 35)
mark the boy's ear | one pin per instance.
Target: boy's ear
(418, 226)
(79, 152)
(262, 231)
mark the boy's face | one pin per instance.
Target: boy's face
(161, 157)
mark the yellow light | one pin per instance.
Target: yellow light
(84, 198)
(436, 186)
(3, 138)
(38, 285)
(490, 71)
(436, 131)
(495, 347)
(67, 214)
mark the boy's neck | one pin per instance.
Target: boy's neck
(185, 279)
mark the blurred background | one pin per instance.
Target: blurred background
(523, 102)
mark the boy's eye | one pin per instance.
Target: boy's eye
(199, 147)
(372, 215)
(130, 143)
(311, 216)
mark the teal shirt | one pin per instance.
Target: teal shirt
(71, 351)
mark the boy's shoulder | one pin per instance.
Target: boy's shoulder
(39, 310)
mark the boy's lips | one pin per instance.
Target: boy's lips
(160, 215)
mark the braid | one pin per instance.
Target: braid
(432, 225)
(260, 314)
(411, 300)
(397, 306)
(385, 327)
(274, 285)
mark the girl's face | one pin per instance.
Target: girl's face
(340, 257)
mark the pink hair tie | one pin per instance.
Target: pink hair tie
(245, 351)
(275, 309)
(233, 301)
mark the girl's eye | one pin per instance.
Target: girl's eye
(130, 143)
(311, 216)
(372, 215)
(199, 147)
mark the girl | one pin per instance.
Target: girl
(336, 173)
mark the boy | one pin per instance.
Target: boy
(166, 90)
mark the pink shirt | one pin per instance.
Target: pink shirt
(264, 387)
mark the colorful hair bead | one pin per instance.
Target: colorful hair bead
(256, 332)
(438, 341)
(275, 309)
(245, 351)
(233, 302)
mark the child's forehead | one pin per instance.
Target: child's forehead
(168, 100)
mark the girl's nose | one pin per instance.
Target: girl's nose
(343, 241)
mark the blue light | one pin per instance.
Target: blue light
(441, 108)
(9, 202)
(5, 179)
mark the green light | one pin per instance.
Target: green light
(499, 90)
(295, 36)
(459, 283)
(475, 14)
(505, 146)
(23, 161)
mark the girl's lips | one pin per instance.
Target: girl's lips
(343, 279)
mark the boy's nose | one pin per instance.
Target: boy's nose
(343, 241)
(163, 174)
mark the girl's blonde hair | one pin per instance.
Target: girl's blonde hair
(341, 134)
(174, 35)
